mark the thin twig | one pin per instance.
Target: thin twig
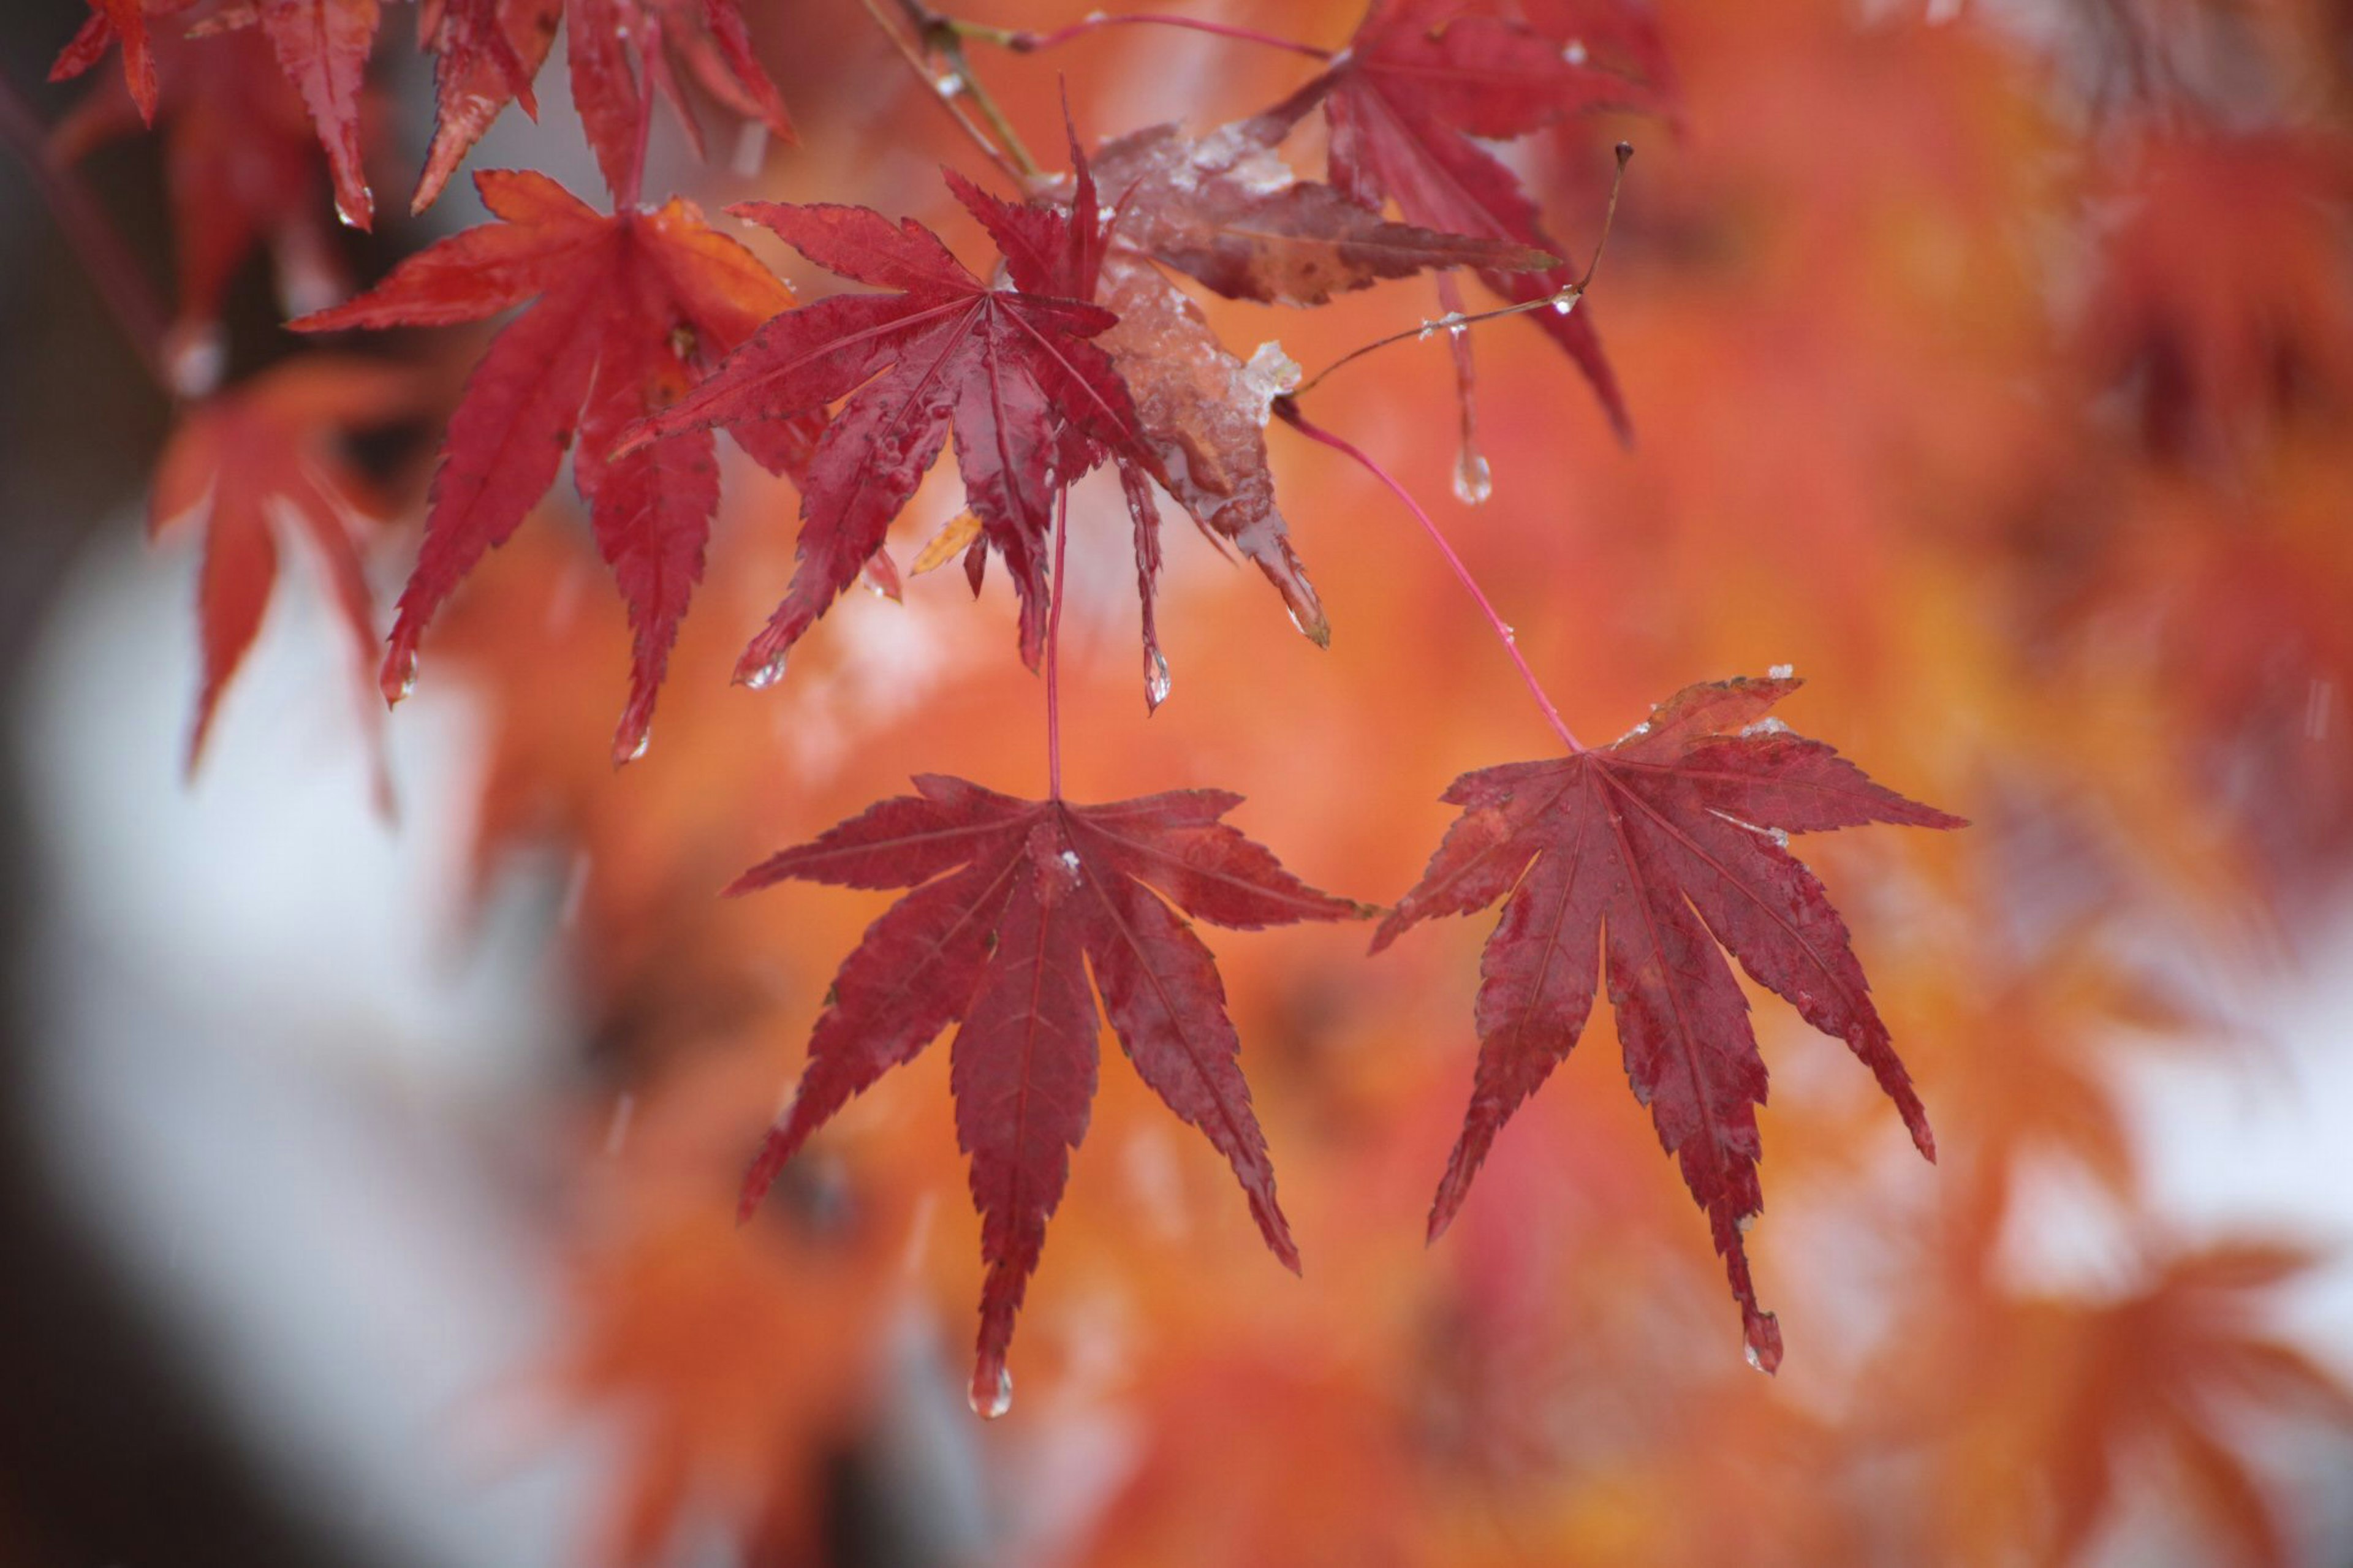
(1504, 633)
(946, 101)
(129, 297)
(1054, 649)
(1562, 300)
(1025, 43)
(936, 32)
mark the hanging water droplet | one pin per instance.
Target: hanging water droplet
(637, 750)
(349, 218)
(1566, 300)
(988, 1402)
(406, 682)
(767, 675)
(1473, 481)
(1754, 1359)
(1155, 678)
(947, 84)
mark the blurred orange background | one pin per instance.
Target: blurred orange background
(1992, 364)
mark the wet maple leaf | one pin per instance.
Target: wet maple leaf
(323, 48)
(629, 308)
(1652, 851)
(1404, 100)
(1032, 403)
(1013, 902)
(258, 460)
(620, 53)
(243, 168)
(1226, 210)
(109, 21)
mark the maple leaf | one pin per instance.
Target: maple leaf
(242, 166)
(323, 49)
(489, 50)
(1404, 100)
(629, 308)
(1032, 404)
(1229, 212)
(1205, 413)
(1653, 851)
(257, 460)
(108, 21)
(1013, 900)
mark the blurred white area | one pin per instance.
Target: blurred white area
(271, 1082)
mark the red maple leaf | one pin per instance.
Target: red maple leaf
(323, 49)
(630, 308)
(260, 459)
(1031, 402)
(1418, 80)
(1013, 902)
(489, 50)
(108, 21)
(1226, 210)
(1652, 852)
(242, 166)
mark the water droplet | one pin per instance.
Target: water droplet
(1155, 678)
(1781, 672)
(1754, 1359)
(645, 739)
(1473, 481)
(195, 358)
(349, 218)
(1511, 633)
(1566, 300)
(767, 675)
(1575, 53)
(407, 682)
(990, 1401)
(947, 84)
(1779, 835)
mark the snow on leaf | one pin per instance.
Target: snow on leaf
(1012, 902)
(1653, 853)
(630, 308)
(260, 459)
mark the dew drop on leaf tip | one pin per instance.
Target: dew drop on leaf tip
(1155, 679)
(767, 675)
(1475, 481)
(989, 1401)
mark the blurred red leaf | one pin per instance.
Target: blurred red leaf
(259, 459)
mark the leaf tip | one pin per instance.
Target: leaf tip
(1762, 1334)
